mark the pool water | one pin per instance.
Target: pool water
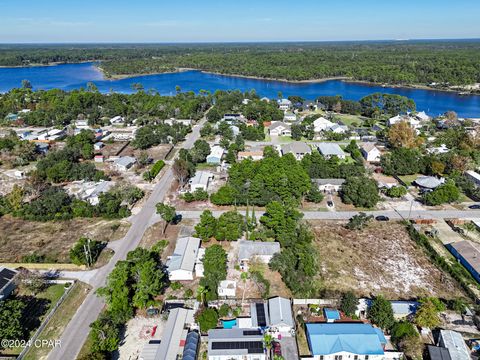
(228, 324)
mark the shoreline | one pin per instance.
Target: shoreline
(458, 89)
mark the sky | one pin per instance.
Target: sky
(60, 21)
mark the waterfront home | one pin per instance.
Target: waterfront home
(370, 152)
(331, 149)
(181, 264)
(216, 154)
(334, 341)
(235, 344)
(406, 118)
(278, 128)
(298, 148)
(284, 104)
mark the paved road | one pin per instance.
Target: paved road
(345, 215)
(77, 330)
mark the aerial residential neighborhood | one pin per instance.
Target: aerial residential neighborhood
(240, 180)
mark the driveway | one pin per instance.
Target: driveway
(289, 348)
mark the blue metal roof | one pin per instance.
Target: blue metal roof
(332, 338)
(331, 314)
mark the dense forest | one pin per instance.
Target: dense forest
(399, 62)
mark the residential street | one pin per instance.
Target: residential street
(77, 330)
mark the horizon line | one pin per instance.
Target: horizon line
(232, 42)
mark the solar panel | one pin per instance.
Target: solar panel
(7, 273)
(252, 332)
(261, 320)
(237, 345)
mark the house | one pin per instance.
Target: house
(422, 116)
(399, 118)
(278, 128)
(254, 155)
(370, 152)
(281, 317)
(334, 341)
(176, 338)
(329, 186)
(321, 124)
(216, 154)
(7, 282)
(454, 343)
(89, 191)
(184, 122)
(429, 182)
(98, 145)
(438, 353)
(231, 117)
(117, 121)
(52, 134)
(473, 176)
(235, 344)
(99, 158)
(338, 129)
(246, 101)
(181, 264)
(259, 250)
(200, 181)
(227, 288)
(468, 254)
(442, 149)
(298, 148)
(42, 148)
(290, 116)
(266, 99)
(404, 309)
(80, 124)
(331, 149)
(284, 104)
(124, 163)
(235, 130)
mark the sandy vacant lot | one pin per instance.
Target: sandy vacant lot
(52, 239)
(380, 259)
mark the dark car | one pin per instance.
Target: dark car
(474, 207)
(382, 218)
(277, 349)
(330, 203)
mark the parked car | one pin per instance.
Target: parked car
(382, 218)
(277, 349)
(330, 203)
(474, 207)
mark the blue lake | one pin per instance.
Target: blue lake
(74, 76)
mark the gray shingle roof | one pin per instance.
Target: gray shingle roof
(296, 147)
(329, 149)
(248, 249)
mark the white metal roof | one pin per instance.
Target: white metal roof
(184, 255)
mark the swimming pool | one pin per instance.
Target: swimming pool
(228, 324)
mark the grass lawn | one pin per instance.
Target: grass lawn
(205, 166)
(37, 308)
(59, 321)
(408, 179)
(350, 119)
(302, 342)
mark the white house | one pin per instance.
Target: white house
(284, 104)
(279, 128)
(473, 176)
(98, 145)
(331, 149)
(338, 129)
(81, 124)
(407, 118)
(89, 191)
(235, 344)
(216, 154)
(181, 264)
(117, 121)
(321, 124)
(422, 116)
(290, 116)
(227, 288)
(370, 152)
(336, 341)
(124, 163)
(281, 317)
(442, 149)
(200, 181)
(329, 186)
(254, 155)
(258, 250)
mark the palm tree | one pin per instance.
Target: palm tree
(268, 342)
(201, 291)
